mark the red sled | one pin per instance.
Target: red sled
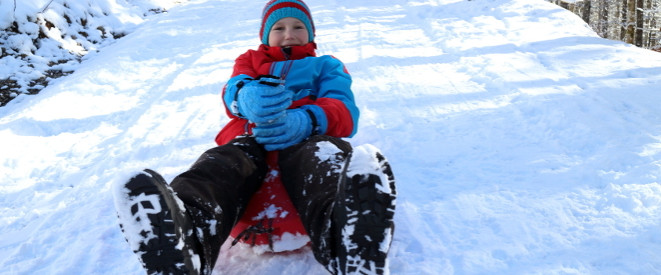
(270, 222)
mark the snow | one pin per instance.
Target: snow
(521, 142)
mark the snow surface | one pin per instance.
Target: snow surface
(522, 143)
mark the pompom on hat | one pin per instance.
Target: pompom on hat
(275, 10)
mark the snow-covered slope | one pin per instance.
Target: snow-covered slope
(41, 40)
(521, 142)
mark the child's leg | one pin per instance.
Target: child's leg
(217, 189)
(346, 200)
(311, 172)
(178, 228)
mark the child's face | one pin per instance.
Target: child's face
(288, 32)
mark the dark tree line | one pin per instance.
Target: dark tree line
(637, 22)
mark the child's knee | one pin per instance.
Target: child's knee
(323, 141)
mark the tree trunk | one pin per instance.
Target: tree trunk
(586, 11)
(640, 23)
(630, 21)
(603, 18)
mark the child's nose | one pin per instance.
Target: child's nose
(289, 33)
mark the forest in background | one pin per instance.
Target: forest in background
(636, 22)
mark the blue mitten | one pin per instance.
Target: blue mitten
(291, 129)
(263, 101)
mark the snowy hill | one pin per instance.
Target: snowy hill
(521, 142)
(41, 40)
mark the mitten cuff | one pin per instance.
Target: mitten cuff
(232, 89)
(318, 119)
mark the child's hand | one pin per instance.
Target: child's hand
(263, 101)
(291, 129)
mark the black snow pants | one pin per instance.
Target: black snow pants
(219, 185)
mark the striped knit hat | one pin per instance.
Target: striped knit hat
(278, 9)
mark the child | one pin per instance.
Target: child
(282, 99)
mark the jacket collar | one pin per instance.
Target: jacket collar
(293, 53)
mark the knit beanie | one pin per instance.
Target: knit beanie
(278, 9)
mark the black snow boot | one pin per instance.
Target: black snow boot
(156, 225)
(363, 214)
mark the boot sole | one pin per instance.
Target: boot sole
(370, 209)
(167, 250)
